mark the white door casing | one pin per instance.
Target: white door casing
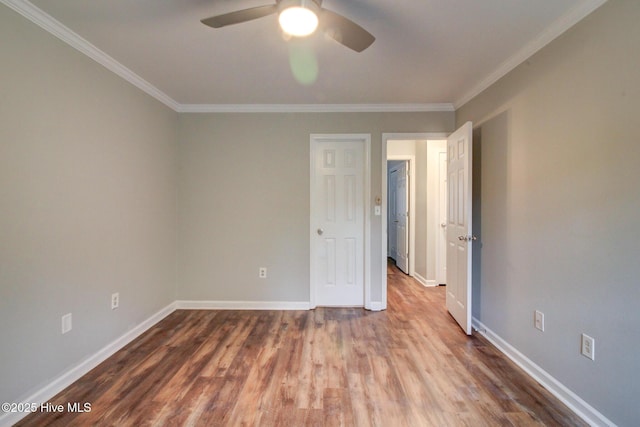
(401, 217)
(441, 242)
(339, 220)
(411, 226)
(459, 230)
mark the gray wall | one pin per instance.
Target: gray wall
(87, 206)
(559, 207)
(244, 199)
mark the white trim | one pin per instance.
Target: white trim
(420, 279)
(314, 108)
(368, 304)
(56, 28)
(366, 139)
(241, 305)
(585, 411)
(425, 282)
(549, 34)
(383, 223)
(74, 373)
(64, 33)
(59, 30)
(434, 197)
(376, 306)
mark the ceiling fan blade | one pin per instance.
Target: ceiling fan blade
(345, 31)
(240, 16)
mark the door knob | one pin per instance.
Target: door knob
(443, 225)
(320, 231)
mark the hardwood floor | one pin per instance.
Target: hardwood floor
(410, 365)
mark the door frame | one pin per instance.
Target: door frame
(383, 223)
(441, 241)
(433, 224)
(411, 165)
(365, 138)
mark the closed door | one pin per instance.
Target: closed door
(400, 221)
(337, 221)
(459, 236)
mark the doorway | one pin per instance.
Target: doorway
(399, 190)
(459, 215)
(412, 149)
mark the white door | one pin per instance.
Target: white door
(402, 211)
(337, 221)
(392, 233)
(441, 242)
(459, 237)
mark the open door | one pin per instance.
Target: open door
(459, 232)
(401, 220)
(392, 235)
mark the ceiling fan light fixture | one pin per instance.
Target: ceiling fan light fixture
(300, 19)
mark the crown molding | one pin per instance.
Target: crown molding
(56, 28)
(59, 30)
(558, 27)
(314, 108)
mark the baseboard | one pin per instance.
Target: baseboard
(71, 375)
(242, 305)
(420, 279)
(425, 282)
(585, 411)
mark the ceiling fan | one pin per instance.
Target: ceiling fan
(300, 18)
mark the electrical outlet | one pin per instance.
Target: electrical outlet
(66, 323)
(538, 320)
(588, 348)
(115, 301)
(262, 272)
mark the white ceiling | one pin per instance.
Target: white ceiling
(426, 51)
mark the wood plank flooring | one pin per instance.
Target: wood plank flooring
(410, 365)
